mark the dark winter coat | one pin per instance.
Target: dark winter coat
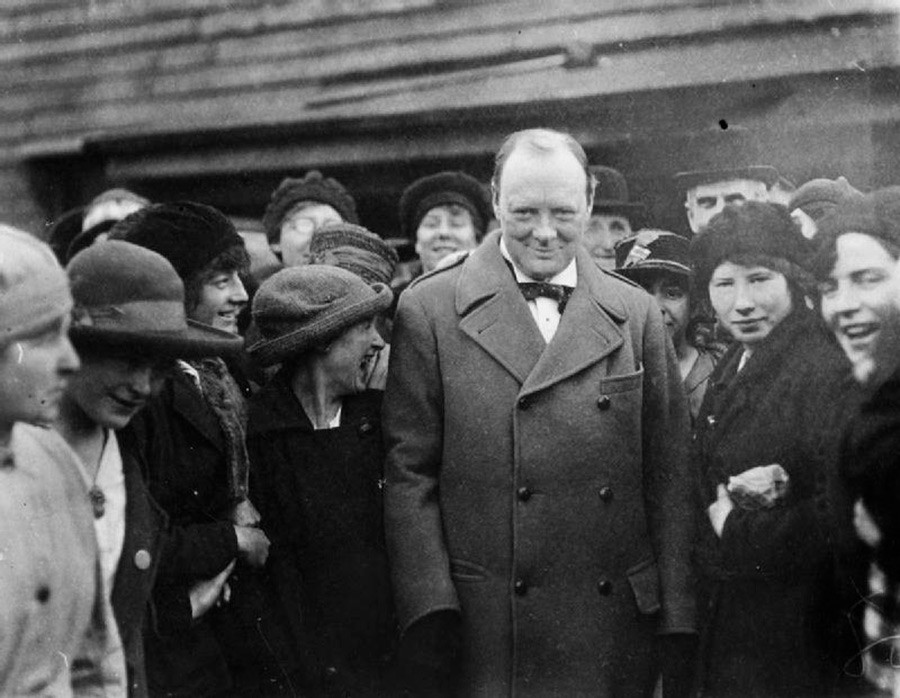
(541, 489)
(320, 496)
(771, 613)
(142, 549)
(228, 648)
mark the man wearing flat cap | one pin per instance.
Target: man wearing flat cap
(537, 494)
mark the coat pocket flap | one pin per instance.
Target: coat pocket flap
(622, 383)
(466, 571)
(644, 580)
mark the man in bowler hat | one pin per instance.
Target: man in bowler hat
(537, 490)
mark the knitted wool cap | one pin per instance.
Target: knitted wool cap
(299, 306)
(355, 249)
(876, 214)
(442, 189)
(818, 197)
(188, 234)
(313, 187)
(653, 251)
(34, 290)
(754, 229)
(131, 298)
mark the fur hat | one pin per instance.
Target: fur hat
(34, 290)
(653, 251)
(355, 249)
(131, 298)
(611, 196)
(442, 189)
(299, 306)
(188, 234)
(753, 230)
(313, 187)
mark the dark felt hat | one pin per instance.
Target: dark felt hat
(355, 249)
(63, 231)
(130, 298)
(299, 306)
(756, 230)
(188, 234)
(442, 189)
(718, 155)
(312, 187)
(86, 238)
(653, 251)
(611, 196)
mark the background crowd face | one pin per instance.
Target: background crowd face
(348, 357)
(542, 208)
(34, 372)
(221, 299)
(442, 231)
(602, 233)
(749, 301)
(110, 390)
(857, 301)
(670, 291)
(297, 230)
(706, 200)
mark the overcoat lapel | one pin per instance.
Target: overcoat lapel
(187, 401)
(494, 313)
(588, 330)
(496, 316)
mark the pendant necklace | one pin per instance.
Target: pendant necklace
(98, 499)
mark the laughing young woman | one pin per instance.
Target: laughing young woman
(315, 441)
(766, 439)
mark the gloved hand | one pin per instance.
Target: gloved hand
(428, 656)
(678, 654)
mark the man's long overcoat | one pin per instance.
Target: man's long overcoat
(541, 489)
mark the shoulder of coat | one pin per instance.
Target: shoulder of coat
(450, 262)
(618, 276)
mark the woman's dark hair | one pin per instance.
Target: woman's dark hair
(235, 258)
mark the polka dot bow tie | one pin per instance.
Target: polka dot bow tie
(541, 289)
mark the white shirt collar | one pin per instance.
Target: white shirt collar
(567, 277)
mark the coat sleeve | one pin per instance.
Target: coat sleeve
(413, 423)
(790, 539)
(669, 491)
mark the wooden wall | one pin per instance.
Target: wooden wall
(223, 97)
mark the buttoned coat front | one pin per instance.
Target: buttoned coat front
(542, 489)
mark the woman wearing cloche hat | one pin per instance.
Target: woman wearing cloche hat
(315, 441)
(129, 326)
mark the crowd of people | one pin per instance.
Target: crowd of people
(542, 448)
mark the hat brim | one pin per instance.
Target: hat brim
(640, 271)
(195, 341)
(270, 351)
(761, 173)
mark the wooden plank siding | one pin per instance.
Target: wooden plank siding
(252, 85)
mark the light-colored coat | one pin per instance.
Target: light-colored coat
(541, 489)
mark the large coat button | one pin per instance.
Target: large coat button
(524, 403)
(606, 493)
(520, 587)
(142, 559)
(604, 586)
(603, 403)
(43, 593)
(524, 494)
